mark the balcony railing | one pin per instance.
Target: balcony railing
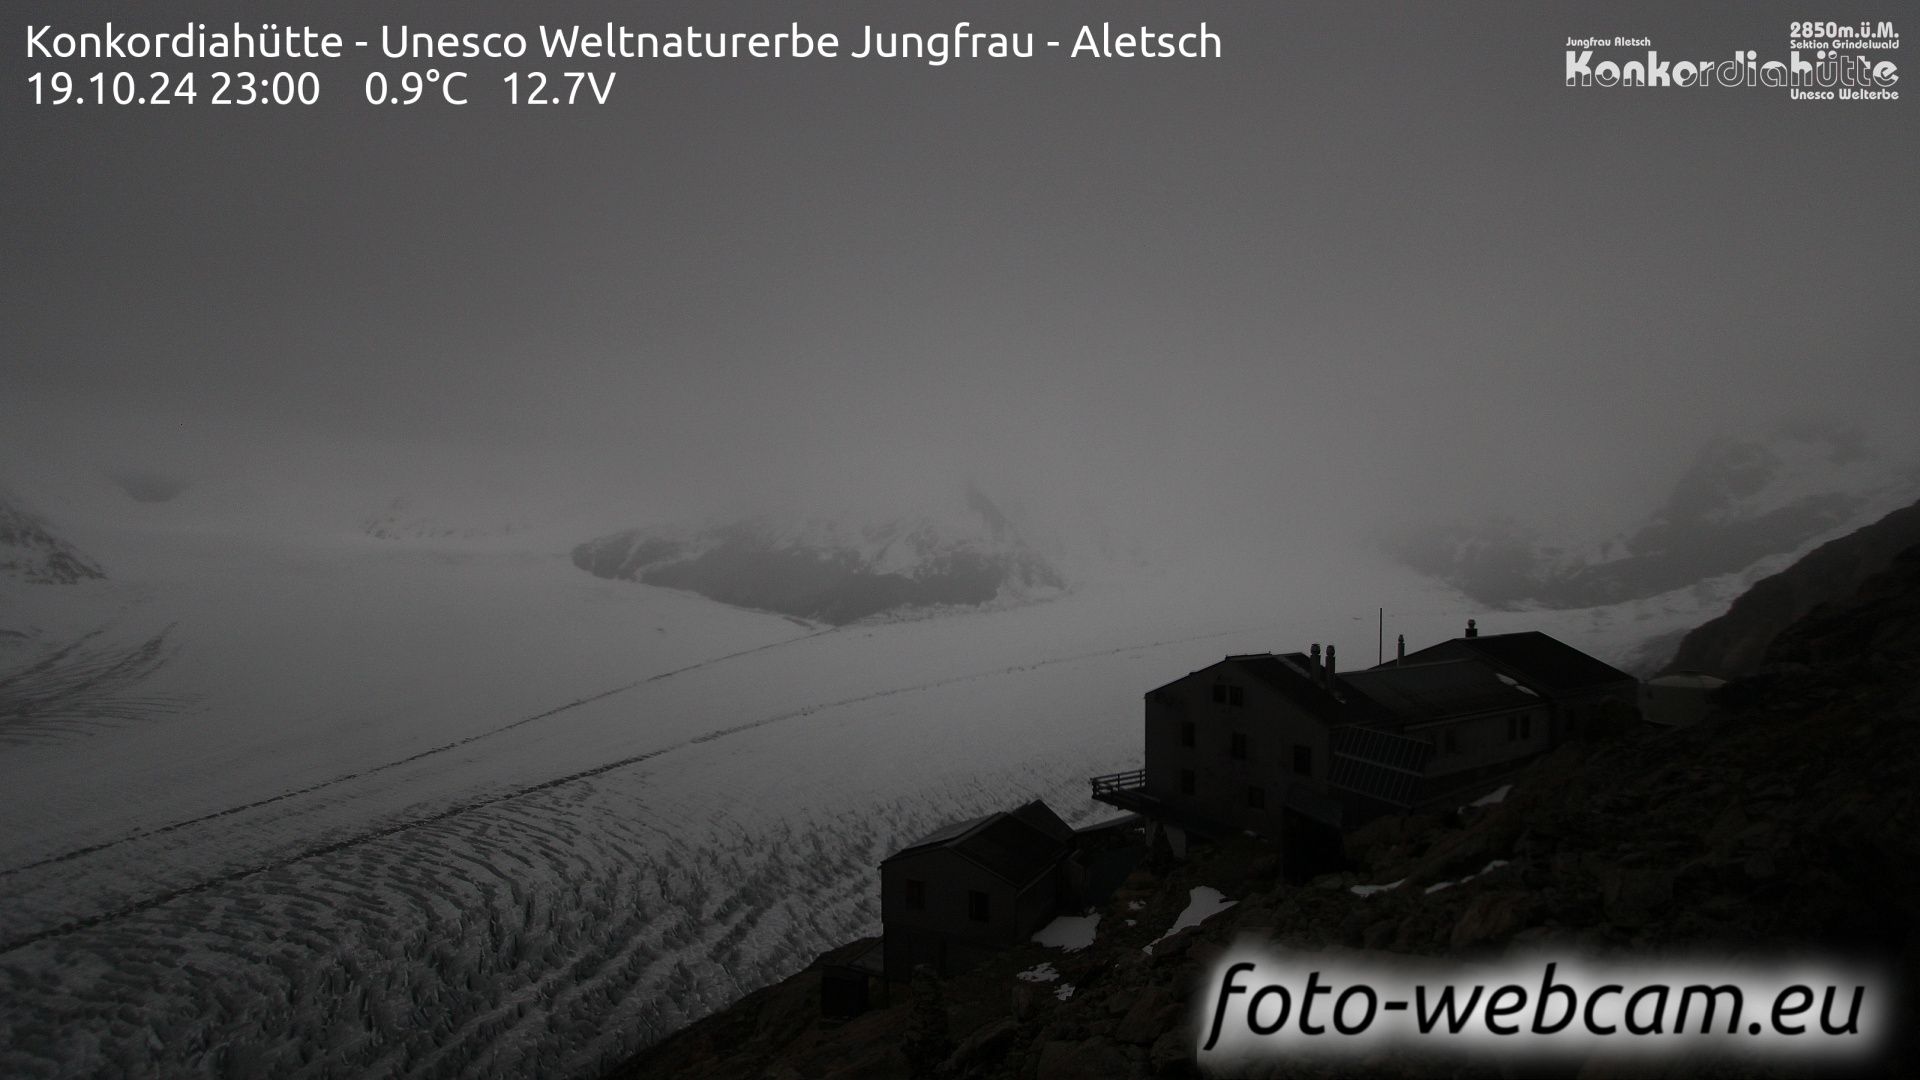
(1131, 780)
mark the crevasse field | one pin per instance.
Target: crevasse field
(351, 807)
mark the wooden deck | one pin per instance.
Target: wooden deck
(1127, 791)
(1113, 783)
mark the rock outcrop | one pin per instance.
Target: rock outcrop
(1736, 642)
(837, 570)
(31, 551)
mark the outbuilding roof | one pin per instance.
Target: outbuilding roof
(1015, 845)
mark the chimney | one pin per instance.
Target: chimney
(1472, 630)
(1313, 663)
(1329, 667)
(1400, 650)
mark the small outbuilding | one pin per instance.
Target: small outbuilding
(974, 887)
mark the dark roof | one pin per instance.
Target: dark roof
(1284, 672)
(1288, 674)
(947, 833)
(1014, 845)
(1414, 693)
(1544, 663)
(1379, 764)
(1041, 818)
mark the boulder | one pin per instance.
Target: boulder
(1490, 918)
(1089, 1060)
(1634, 895)
(1147, 1020)
(986, 1044)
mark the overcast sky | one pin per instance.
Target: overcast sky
(1375, 257)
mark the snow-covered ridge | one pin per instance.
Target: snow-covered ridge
(838, 568)
(31, 551)
(1741, 503)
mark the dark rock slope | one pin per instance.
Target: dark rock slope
(31, 551)
(1787, 827)
(1735, 643)
(835, 571)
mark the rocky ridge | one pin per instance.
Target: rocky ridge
(1736, 642)
(837, 569)
(1739, 503)
(32, 552)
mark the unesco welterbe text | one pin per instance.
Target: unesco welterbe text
(961, 41)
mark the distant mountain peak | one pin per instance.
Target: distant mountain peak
(1740, 501)
(839, 568)
(1736, 642)
(31, 551)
